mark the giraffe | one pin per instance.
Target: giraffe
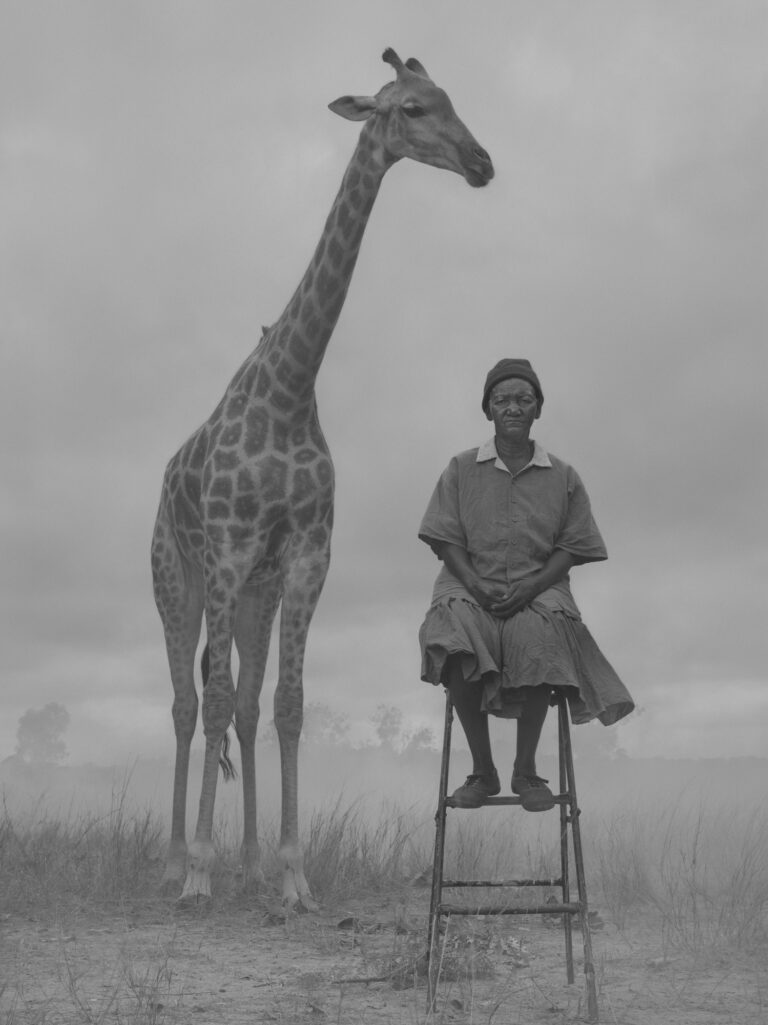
(246, 508)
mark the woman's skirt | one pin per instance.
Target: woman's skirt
(534, 647)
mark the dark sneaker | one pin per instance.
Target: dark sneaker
(534, 793)
(476, 791)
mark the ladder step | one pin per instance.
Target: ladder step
(501, 882)
(491, 802)
(505, 909)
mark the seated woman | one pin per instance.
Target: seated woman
(509, 521)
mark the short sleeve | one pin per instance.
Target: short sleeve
(579, 535)
(442, 519)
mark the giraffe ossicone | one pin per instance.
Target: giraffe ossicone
(246, 508)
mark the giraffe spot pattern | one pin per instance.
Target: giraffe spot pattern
(303, 486)
(282, 402)
(263, 383)
(305, 455)
(245, 480)
(314, 326)
(280, 432)
(308, 312)
(324, 471)
(214, 435)
(222, 461)
(191, 489)
(273, 473)
(239, 536)
(335, 253)
(227, 576)
(196, 457)
(305, 514)
(246, 507)
(221, 487)
(256, 430)
(324, 285)
(346, 222)
(231, 434)
(217, 510)
(318, 536)
(291, 378)
(236, 405)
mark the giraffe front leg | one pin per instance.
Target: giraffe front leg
(303, 584)
(218, 709)
(176, 855)
(296, 889)
(201, 853)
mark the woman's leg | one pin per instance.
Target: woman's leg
(534, 793)
(467, 698)
(529, 726)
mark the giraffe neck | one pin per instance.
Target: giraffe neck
(295, 345)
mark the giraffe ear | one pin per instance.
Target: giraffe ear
(354, 108)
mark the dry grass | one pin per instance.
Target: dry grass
(698, 876)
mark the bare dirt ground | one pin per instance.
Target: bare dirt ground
(358, 964)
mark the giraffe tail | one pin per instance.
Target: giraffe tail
(228, 771)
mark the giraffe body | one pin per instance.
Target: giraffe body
(246, 509)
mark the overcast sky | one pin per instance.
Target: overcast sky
(165, 172)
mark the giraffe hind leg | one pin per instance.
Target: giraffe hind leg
(255, 615)
(228, 770)
(179, 599)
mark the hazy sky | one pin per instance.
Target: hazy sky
(165, 172)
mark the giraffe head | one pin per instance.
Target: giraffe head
(412, 117)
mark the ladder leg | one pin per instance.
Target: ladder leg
(562, 726)
(433, 937)
(578, 856)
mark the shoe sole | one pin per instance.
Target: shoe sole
(459, 802)
(535, 799)
(546, 805)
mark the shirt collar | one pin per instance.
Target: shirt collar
(488, 451)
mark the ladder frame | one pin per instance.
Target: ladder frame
(569, 811)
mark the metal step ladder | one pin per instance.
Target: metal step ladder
(567, 908)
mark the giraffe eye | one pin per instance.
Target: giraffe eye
(413, 110)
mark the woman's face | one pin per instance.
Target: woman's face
(513, 407)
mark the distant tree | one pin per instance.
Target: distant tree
(40, 734)
(422, 739)
(388, 723)
(322, 725)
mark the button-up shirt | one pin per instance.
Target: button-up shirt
(510, 524)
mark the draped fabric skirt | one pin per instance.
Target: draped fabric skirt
(536, 646)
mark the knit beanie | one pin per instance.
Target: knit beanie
(511, 368)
